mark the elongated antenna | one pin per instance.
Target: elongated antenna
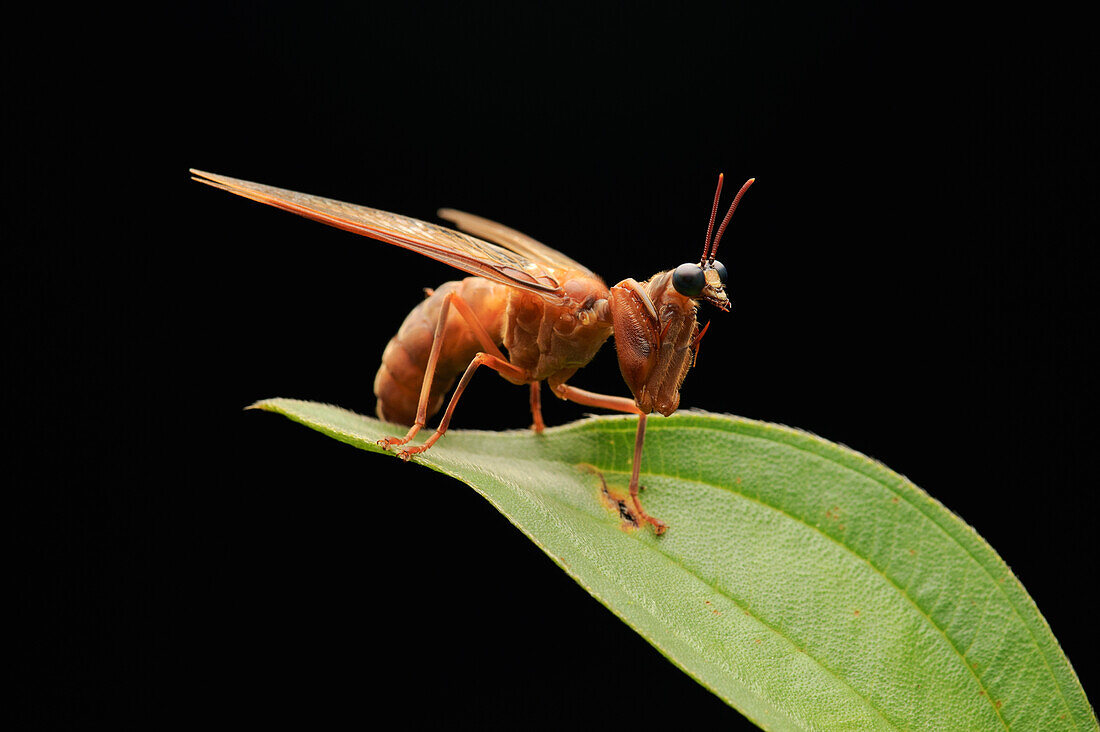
(710, 226)
(725, 221)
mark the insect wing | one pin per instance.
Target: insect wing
(459, 250)
(509, 238)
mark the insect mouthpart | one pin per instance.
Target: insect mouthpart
(714, 291)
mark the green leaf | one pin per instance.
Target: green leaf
(803, 583)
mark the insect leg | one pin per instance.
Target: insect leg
(659, 526)
(481, 359)
(536, 406)
(592, 399)
(483, 337)
(619, 404)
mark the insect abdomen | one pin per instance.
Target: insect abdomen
(398, 381)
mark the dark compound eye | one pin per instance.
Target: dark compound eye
(721, 268)
(688, 280)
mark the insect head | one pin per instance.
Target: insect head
(707, 279)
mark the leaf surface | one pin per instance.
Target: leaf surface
(807, 585)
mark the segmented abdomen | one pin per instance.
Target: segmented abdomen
(398, 381)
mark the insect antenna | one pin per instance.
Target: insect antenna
(710, 226)
(729, 215)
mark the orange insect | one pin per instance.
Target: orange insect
(550, 314)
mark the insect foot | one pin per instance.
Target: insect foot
(639, 514)
(640, 517)
(410, 451)
(387, 442)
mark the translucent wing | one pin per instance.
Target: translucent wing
(509, 238)
(459, 250)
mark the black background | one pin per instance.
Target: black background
(912, 276)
